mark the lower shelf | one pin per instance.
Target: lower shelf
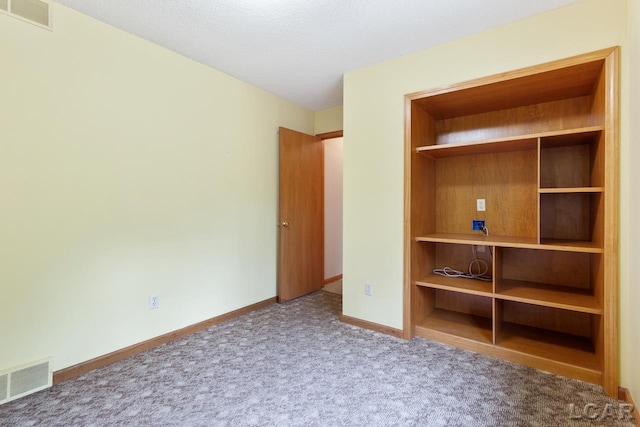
(454, 324)
(555, 346)
(563, 354)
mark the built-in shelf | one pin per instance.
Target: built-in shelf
(477, 239)
(506, 144)
(456, 324)
(570, 137)
(501, 145)
(571, 190)
(538, 145)
(569, 246)
(457, 284)
(562, 297)
(550, 345)
(512, 242)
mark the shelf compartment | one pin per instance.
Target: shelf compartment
(547, 318)
(564, 341)
(564, 280)
(506, 180)
(567, 349)
(457, 257)
(571, 216)
(441, 324)
(457, 315)
(457, 284)
(525, 119)
(572, 160)
(549, 295)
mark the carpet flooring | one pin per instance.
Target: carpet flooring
(296, 364)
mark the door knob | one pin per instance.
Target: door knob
(284, 224)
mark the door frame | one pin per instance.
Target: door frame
(323, 136)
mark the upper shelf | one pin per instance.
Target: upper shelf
(512, 242)
(514, 89)
(505, 144)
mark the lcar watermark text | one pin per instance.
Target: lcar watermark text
(592, 411)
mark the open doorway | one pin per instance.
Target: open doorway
(332, 154)
(301, 225)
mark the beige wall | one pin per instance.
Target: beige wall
(328, 120)
(127, 170)
(373, 152)
(631, 206)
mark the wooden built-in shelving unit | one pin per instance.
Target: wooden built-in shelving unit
(540, 146)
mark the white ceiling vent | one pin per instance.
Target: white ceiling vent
(24, 380)
(37, 12)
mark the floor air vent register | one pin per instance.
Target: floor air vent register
(24, 380)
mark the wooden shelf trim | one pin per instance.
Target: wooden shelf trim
(561, 297)
(510, 143)
(457, 284)
(512, 242)
(571, 190)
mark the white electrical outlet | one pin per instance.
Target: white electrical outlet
(481, 205)
(154, 302)
(480, 248)
(368, 289)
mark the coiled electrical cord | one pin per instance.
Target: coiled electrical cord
(482, 266)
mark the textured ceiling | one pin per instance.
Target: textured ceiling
(299, 49)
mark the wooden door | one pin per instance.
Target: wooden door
(300, 226)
